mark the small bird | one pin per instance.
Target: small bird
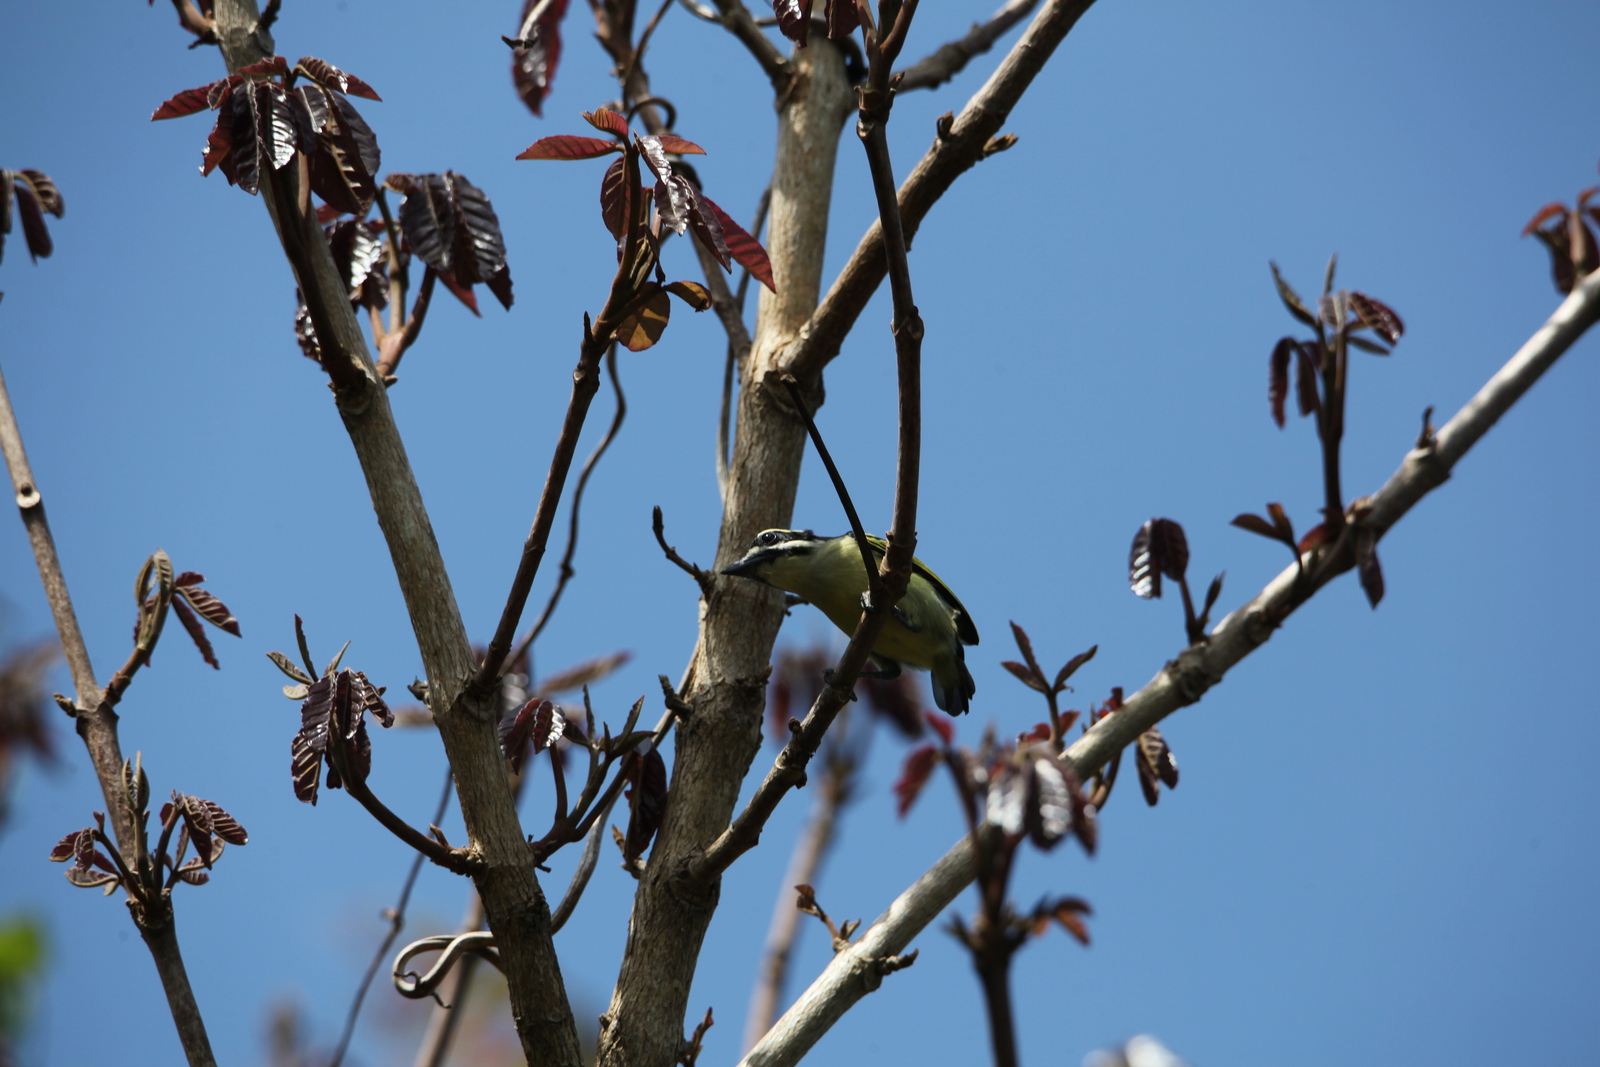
(928, 625)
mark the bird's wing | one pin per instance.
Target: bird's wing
(964, 626)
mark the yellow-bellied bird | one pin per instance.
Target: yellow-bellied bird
(928, 625)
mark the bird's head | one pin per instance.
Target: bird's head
(772, 552)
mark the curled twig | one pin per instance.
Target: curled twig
(451, 947)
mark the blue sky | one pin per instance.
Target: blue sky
(1382, 848)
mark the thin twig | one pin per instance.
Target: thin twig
(397, 921)
(566, 572)
(950, 59)
(874, 581)
(834, 793)
(702, 579)
(644, 42)
(737, 20)
(1180, 683)
(392, 346)
(962, 142)
(728, 312)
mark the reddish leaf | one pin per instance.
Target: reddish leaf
(1357, 341)
(745, 249)
(185, 103)
(1377, 316)
(480, 248)
(1281, 523)
(1313, 537)
(1278, 377)
(567, 146)
(1306, 379)
(272, 65)
(1546, 213)
(224, 825)
(345, 165)
(1159, 547)
(1256, 525)
(329, 76)
(646, 322)
(243, 168)
(1071, 667)
(518, 729)
(794, 20)
(1069, 912)
(896, 699)
(35, 233)
(462, 293)
(605, 119)
(209, 607)
(69, 846)
(1156, 765)
(615, 199)
(1040, 732)
(914, 773)
(707, 228)
(1026, 647)
(537, 52)
(1054, 801)
(843, 19)
(941, 726)
(673, 143)
(647, 799)
(1024, 675)
(196, 631)
(220, 91)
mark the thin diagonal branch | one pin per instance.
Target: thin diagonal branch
(1178, 684)
(737, 20)
(566, 572)
(874, 581)
(961, 143)
(397, 921)
(950, 59)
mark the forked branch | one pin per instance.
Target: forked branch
(1178, 684)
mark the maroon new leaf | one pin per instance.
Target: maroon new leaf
(345, 165)
(1071, 668)
(272, 66)
(1070, 912)
(616, 200)
(34, 231)
(1377, 316)
(1278, 377)
(1055, 806)
(329, 76)
(605, 119)
(224, 825)
(1025, 675)
(214, 611)
(569, 146)
(745, 249)
(1156, 765)
(1306, 378)
(1159, 547)
(535, 56)
(941, 726)
(673, 143)
(794, 19)
(197, 633)
(188, 102)
(1313, 538)
(647, 797)
(1026, 647)
(914, 773)
(843, 19)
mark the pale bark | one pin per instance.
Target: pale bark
(739, 620)
(851, 974)
(514, 904)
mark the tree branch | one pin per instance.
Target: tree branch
(1180, 683)
(737, 20)
(950, 59)
(508, 883)
(961, 144)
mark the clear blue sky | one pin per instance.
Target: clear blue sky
(1383, 846)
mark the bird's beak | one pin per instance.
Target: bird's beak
(745, 568)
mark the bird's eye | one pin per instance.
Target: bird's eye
(770, 538)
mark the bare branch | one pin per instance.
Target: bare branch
(961, 143)
(1180, 683)
(737, 20)
(397, 921)
(564, 575)
(950, 59)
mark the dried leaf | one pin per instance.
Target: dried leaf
(586, 673)
(692, 293)
(646, 322)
